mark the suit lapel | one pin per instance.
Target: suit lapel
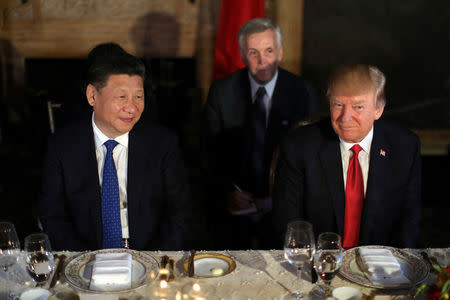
(331, 162)
(243, 104)
(279, 105)
(135, 182)
(380, 174)
(95, 209)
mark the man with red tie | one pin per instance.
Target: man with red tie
(356, 175)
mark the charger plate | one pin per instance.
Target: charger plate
(78, 271)
(207, 265)
(413, 267)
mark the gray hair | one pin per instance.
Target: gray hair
(257, 25)
(380, 81)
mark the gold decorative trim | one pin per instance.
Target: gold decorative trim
(231, 263)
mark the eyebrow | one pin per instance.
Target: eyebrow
(356, 101)
(359, 101)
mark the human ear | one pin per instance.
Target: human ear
(379, 112)
(91, 92)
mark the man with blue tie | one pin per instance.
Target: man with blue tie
(352, 173)
(109, 181)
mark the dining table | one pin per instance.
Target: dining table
(256, 274)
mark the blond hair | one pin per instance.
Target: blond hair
(357, 79)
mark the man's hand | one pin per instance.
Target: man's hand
(238, 200)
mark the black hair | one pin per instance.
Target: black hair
(111, 59)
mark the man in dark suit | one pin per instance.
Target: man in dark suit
(246, 114)
(134, 194)
(356, 175)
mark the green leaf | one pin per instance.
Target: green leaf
(421, 289)
(445, 288)
(438, 268)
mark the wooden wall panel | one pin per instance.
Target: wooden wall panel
(69, 28)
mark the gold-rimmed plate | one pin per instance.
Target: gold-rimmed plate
(78, 271)
(413, 267)
(207, 265)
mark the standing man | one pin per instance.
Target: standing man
(354, 175)
(109, 181)
(246, 114)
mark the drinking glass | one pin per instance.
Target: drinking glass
(9, 246)
(39, 257)
(299, 247)
(327, 259)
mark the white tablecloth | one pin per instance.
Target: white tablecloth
(258, 275)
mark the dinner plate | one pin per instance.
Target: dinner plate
(413, 267)
(208, 265)
(78, 271)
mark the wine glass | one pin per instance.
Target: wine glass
(299, 248)
(9, 246)
(9, 256)
(39, 257)
(327, 259)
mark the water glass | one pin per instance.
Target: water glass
(9, 246)
(13, 278)
(327, 259)
(39, 257)
(299, 247)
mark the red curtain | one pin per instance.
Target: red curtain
(233, 14)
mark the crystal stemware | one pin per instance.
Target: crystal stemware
(9, 246)
(39, 257)
(299, 247)
(327, 260)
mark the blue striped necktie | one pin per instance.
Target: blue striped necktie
(112, 228)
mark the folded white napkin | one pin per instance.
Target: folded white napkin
(111, 272)
(382, 267)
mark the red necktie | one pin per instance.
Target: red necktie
(354, 198)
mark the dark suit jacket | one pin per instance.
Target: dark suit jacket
(70, 198)
(309, 184)
(226, 130)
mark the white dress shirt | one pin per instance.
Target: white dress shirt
(120, 156)
(270, 87)
(363, 157)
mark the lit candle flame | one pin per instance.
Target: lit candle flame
(163, 284)
(196, 287)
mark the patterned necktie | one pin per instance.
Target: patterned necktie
(258, 141)
(112, 228)
(354, 198)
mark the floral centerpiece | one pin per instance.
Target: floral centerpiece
(440, 289)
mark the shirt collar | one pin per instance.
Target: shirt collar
(365, 143)
(101, 138)
(270, 86)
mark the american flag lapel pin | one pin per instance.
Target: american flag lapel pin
(382, 153)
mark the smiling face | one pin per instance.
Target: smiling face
(352, 117)
(262, 55)
(118, 105)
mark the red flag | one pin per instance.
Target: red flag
(233, 14)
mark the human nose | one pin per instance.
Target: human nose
(346, 114)
(130, 106)
(260, 59)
